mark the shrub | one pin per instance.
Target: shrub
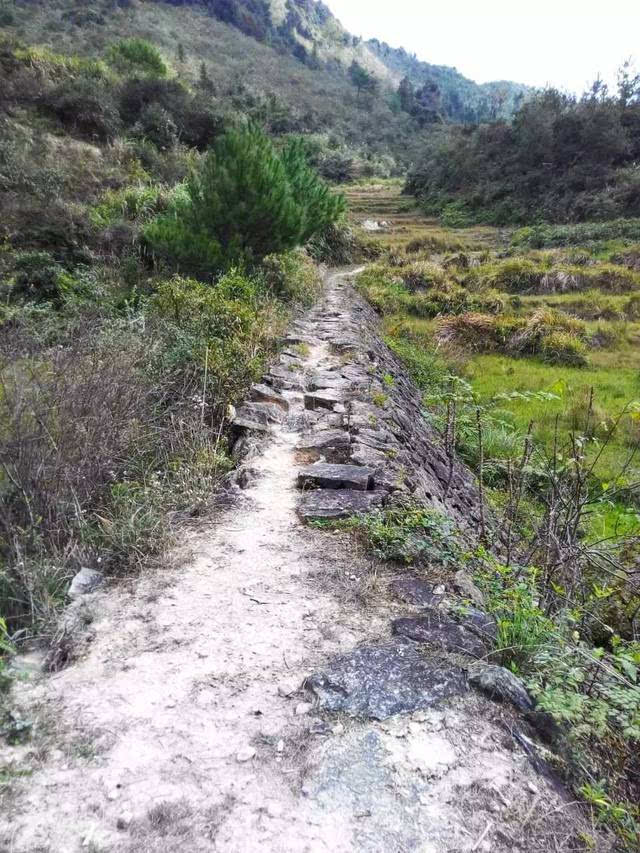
(84, 106)
(549, 334)
(539, 236)
(246, 201)
(291, 276)
(339, 244)
(138, 202)
(411, 535)
(136, 56)
(37, 276)
(156, 125)
(563, 348)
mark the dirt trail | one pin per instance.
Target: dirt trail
(174, 730)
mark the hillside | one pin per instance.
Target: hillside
(296, 50)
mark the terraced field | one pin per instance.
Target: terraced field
(548, 337)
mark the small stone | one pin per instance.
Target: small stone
(532, 787)
(124, 821)
(303, 708)
(338, 729)
(113, 794)
(439, 590)
(275, 810)
(245, 754)
(288, 687)
(280, 746)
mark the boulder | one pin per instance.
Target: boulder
(464, 584)
(258, 416)
(87, 580)
(326, 399)
(501, 684)
(417, 591)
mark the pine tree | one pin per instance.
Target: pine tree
(246, 201)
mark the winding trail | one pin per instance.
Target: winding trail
(183, 726)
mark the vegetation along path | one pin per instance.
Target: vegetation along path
(269, 693)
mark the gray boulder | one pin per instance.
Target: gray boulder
(87, 580)
(498, 683)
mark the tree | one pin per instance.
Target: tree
(204, 81)
(362, 79)
(407, 95)
(628, 84)
(245, 201)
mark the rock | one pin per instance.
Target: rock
(265, 394)
(289, 687)
(258, 416)
(84, 582)
(322, 399)
(417, 591)
(275, 810)
(440, 631)
(336, 504)
(498, 683)
(303, 708)
(245, 754)
(466, 587)
(328, 381)
(480, 623)
(378, 681)
(326, 439)
(327, 476)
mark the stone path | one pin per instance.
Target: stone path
(185, 724)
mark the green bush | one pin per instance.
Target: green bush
(411, 535)
(540, 236)
(291, 276)
(245, 201)
(136, 56)
(339, 244)
(37, 277)
(136, 203)
(84, 106)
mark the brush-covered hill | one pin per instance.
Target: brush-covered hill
(289, 63)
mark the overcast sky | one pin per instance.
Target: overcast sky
(562, 42)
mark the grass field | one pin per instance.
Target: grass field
(431, 273)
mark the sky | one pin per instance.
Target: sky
(566, 43)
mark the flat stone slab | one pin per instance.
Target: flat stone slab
(336, 504)
(325, 440)
(377, 682)
(265, 394)
(326, 399)
(258, 416)
(324, 475)
(440, 632)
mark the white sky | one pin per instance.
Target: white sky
(562, 42)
